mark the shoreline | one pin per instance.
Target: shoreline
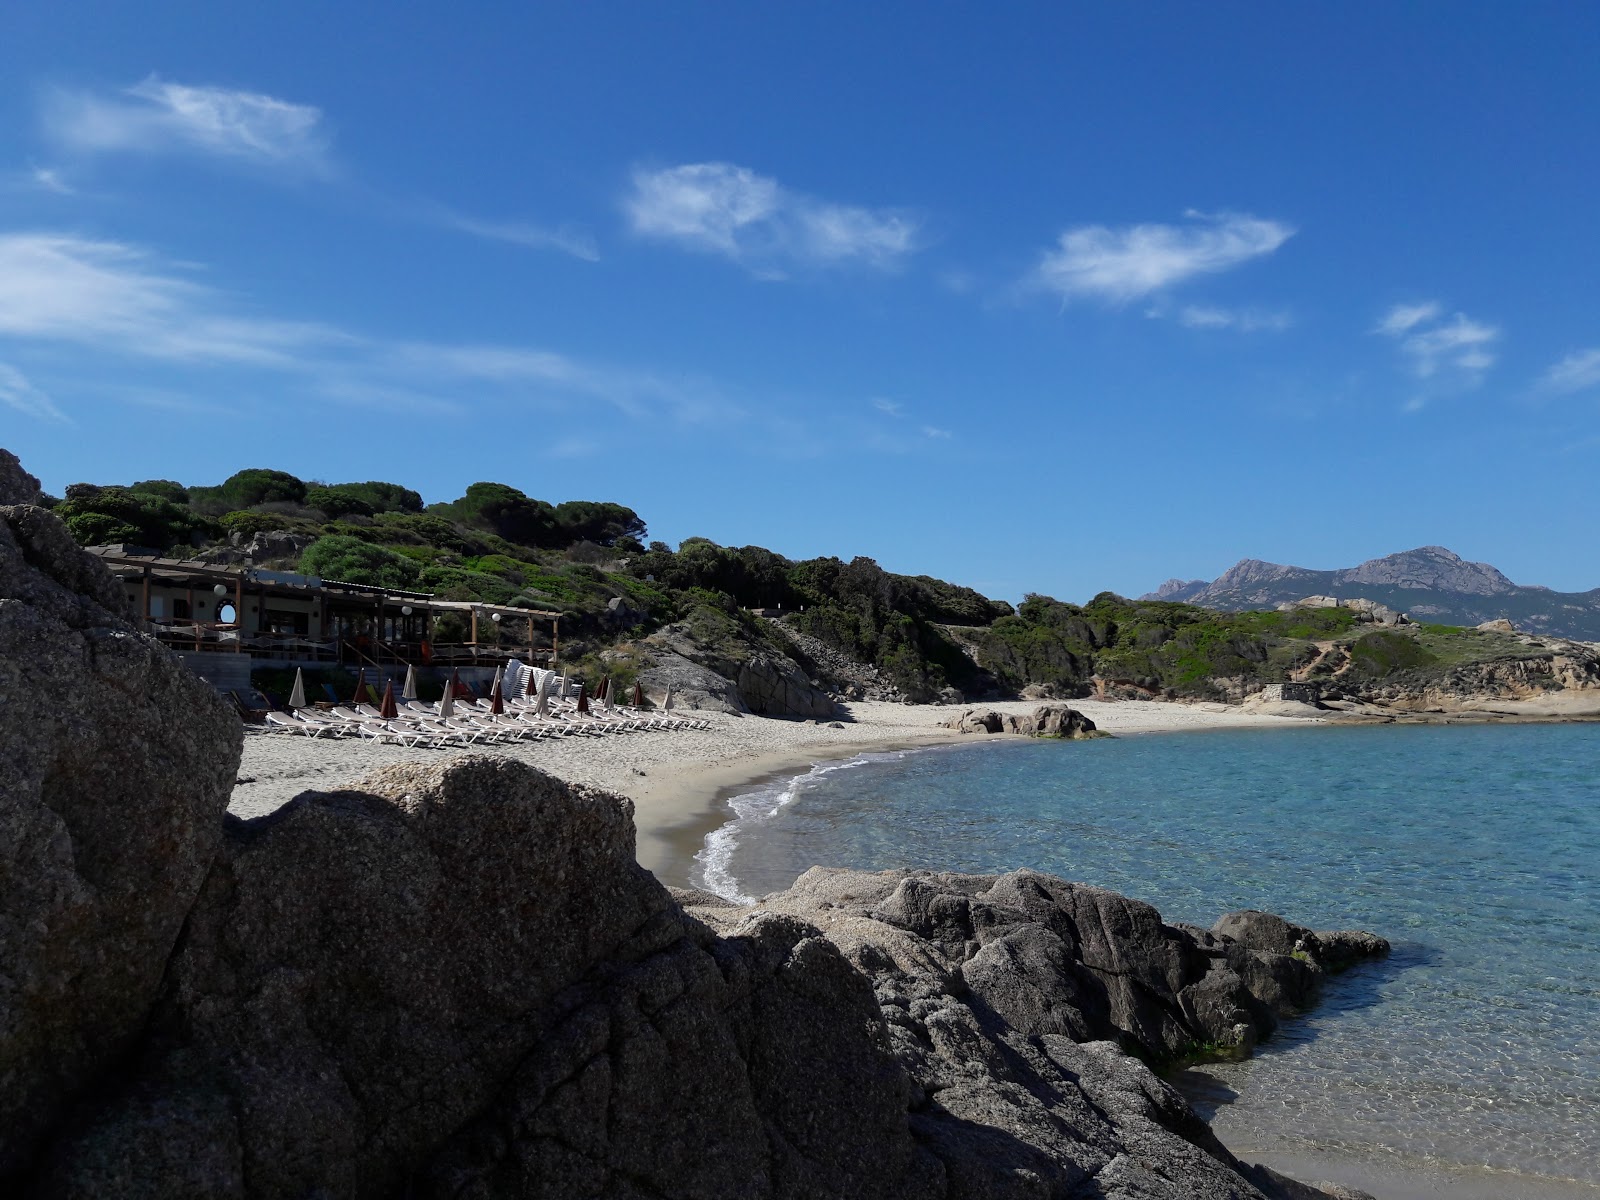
(679, 782)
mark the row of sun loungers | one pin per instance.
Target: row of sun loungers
(472, 723)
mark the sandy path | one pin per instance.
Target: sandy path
(675, 778)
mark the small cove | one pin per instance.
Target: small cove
(1476, 850)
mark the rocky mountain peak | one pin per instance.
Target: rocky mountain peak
(1430, 568)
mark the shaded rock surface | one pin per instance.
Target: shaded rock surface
(456, 981)
(116, 765)
(16, 485)
(713, 662)
(1047, 720)
(276, 546)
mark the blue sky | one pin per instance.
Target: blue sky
(1036, 298)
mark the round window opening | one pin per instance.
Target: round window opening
(227, 614)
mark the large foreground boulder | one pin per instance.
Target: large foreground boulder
(116, 765)
(456, 981)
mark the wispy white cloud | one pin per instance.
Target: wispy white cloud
(60, 287)
(1402, 317)
(573, 447)
(731, 210)
(900, 443)
(156, 116)
(17, 393)
(1458, 347)
(1117, 265)
(112, 298)
(49, 179)
(567, 239)
(1577, 372)
(1243, 320)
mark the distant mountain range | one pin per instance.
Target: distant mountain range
(1429, 584)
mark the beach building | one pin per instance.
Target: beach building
(223, 619)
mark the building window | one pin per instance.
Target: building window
(227, 614)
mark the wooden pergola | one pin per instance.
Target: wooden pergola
(280, 614)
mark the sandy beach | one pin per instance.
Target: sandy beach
(676, 779)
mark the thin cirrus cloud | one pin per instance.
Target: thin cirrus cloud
(1243, 320)
(20, 395)
(567, 239)
(721, 208)
(117, 300)
(157, 116)
(1456, 349)
(1116, 265)
(1577, 372)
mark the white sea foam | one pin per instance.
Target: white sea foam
(752, 809)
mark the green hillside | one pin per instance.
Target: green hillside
(589, 560)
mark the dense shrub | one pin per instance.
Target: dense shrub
(247, 488)
(351, 560)
(96, 515)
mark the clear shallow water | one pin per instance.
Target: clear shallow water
(1475, 850)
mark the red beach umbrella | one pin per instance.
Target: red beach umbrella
(604, 689)
(497, 700)
(387, 709)
(583, 702)
(456, 690)
(361, 687)
(638, 695)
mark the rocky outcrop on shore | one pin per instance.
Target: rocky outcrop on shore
(1047, 721)
(453, 979)
(712, 661)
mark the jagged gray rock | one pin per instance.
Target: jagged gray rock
(16, 485)
(118, 765)
(1047, 720)
(459, 982)
(712, 660)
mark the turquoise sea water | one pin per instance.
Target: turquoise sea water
(1475, 850)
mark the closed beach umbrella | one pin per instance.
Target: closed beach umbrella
(297, 694)
(566, 686)
(583, 701)
(447, 702)
(387, 709)
(455, 689)
(611, 696)
(604, 690)
(361, 687)
(542, 704)
(499, 677)
(409, 691)
(497, 702)
(666, 701)
(638, 694)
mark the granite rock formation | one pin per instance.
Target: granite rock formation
(712, 661)
(456, 981)
(1047, 720)
(117, 767)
